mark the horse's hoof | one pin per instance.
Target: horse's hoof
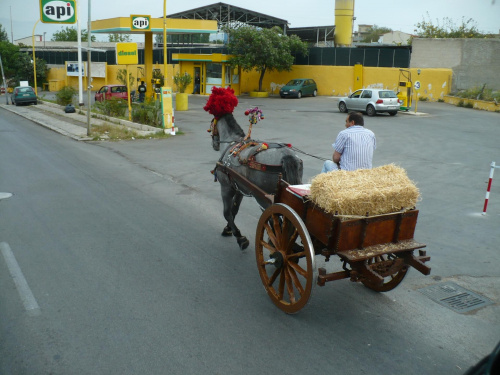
(227, 232)
(243, 242)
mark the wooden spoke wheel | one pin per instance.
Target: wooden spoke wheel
(285, 257)
(388, 266)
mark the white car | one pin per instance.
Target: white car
(371, 101)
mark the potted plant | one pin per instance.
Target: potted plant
(182, 81)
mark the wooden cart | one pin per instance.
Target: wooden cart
(375, 250)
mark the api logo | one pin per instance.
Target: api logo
(54, 11)
(140, 22)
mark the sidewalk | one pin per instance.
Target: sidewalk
(73, 125)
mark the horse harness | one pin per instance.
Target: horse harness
(234, 149)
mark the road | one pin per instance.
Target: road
(119, 245)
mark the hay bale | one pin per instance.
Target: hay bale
(374, 191)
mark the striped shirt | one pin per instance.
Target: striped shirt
(356, 145)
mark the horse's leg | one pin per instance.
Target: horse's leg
(231, 200)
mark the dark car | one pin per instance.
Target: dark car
(371, 101)
(23, 94)
(298, 88)
(111, 91)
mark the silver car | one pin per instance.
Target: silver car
(371, 101)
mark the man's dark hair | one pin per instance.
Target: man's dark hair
(357, 118)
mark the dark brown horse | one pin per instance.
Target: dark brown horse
(260, 163)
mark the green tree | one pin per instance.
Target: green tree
(9, 53)
(263, 49)
(119, 38)
(4, 37)
(25, 71)
(448, 29)
(70, 34)
(374, 33)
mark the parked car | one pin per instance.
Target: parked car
(371, 101)
(111, 91)
(23, 94)
(298, 88)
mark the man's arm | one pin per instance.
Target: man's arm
(336, 157)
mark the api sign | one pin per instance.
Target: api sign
(54, 11)
(140, 22)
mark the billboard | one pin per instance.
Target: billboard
(72, 69)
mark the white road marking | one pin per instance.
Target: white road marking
(23, 289)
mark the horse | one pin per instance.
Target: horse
(260, 163)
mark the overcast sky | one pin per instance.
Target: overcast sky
(397, 15)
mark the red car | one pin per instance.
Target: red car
(111, 91)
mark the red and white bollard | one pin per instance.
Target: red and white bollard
(489, 186)
(172, 130)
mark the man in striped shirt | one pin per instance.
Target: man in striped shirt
(354, 146)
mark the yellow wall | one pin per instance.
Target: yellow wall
(340, 80)
(331, 80)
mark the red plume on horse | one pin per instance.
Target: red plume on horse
(221, 102)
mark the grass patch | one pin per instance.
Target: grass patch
(423, 98)
(479, 93)
(121, 133)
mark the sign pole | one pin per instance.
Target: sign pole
(34, 58)
(128, 97)
(416, 86)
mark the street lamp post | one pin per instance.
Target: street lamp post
(34, 58)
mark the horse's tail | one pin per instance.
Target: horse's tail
(292, 169)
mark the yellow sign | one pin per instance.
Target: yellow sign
(126, 53)
(140, 22)
(166, 106)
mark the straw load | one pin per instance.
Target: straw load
(374, 191)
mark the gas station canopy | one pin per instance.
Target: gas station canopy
(122, 25)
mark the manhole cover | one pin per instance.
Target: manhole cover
(455, 297)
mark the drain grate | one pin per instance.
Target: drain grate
(455, 297)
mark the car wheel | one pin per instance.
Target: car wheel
(342, 107)
(299, 95)
(315, 93)
(370, 110)
(16, 103)
(393, 113)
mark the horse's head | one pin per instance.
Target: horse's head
(215, 134)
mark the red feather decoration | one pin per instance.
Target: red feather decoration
(221, 102)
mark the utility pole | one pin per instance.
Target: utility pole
(4, 82)
(89, 75)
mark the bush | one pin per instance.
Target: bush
(148, 113)
(65, 95)
(112, 107)
(422, 98)
(182, 81)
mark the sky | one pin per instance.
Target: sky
(18, 17)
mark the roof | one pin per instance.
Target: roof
(225, 14)
(315, 34)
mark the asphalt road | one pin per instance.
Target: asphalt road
(120, 248)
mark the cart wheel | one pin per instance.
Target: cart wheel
(285, 257)
(387, 267)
